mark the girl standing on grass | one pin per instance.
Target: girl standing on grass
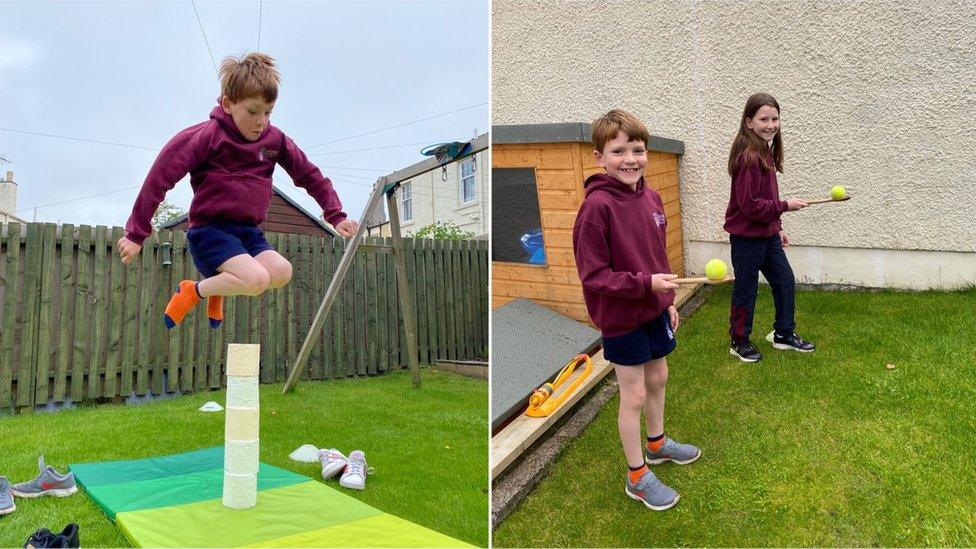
(756, 234)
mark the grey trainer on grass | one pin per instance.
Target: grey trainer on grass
(672, 450)
(48, 482)
(6, 498)
(653, 493)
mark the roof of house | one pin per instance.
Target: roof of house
(318, 221)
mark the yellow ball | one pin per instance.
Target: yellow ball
(716, 269)
(838, 192)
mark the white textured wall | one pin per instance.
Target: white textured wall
(877, 96)
(8, 197)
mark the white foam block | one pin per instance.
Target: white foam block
(240, 491)
(241, 424)
(243, 359)
(242, 392)
(241, 458)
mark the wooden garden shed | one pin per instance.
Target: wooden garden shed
(537, 186)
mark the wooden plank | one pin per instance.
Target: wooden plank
(275, 319)
(65, 313)
(45, 350)
(382, 312)
(393, 309)
(197, 321)
(451, 301)
(440, 265)
(187, 334)
(99, 312)
(82, 334)
(559, 219)
(517, 436)
(360, 313)
(484, 293)
(408, 313)
(218, 347)
(408, 252)
(27, 364)
(313, 274)
(338, 317)
(349, 322)
(467, 305)
(420, 290)
(535, 273)
(430, 301)
(113, 359)
(535, 290)
(289, 350)
(372, 323)
(146, 290)
(12, 289)
(541, 155)
(175, 361)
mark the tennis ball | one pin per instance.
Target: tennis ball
(838, 192)
(716, 269)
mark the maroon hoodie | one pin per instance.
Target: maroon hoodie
(230, 176)
(620, 240)
(754, 204)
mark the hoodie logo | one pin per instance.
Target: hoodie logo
(267, 154)
(660, 219)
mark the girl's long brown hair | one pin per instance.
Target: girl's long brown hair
(747, 147)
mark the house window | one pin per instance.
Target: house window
(467, 181)
(406, 198)
(516, 226)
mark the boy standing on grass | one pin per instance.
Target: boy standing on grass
(619, 241)
(230, 159)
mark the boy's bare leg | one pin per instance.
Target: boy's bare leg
(632, 398)
(655, 379)
(279, 269)
(239, 275)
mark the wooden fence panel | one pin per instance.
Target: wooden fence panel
(77, 324)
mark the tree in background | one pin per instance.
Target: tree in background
(166, 213)
(442, 231)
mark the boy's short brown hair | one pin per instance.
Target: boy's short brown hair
(606, 127)
(253, 75)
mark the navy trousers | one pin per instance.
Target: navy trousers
(750, 256)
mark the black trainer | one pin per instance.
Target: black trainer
(745, 351)
(45, 538)
(790, 342)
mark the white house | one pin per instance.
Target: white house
(8, 200)
(454, 193)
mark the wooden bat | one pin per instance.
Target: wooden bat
(702, 280)
(825, 200)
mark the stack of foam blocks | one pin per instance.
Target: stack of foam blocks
(241, 427)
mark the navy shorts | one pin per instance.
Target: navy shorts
(650, 341)
(211, 245)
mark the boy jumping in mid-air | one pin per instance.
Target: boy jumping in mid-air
(230, 159)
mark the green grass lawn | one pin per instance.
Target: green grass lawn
(822, 449)
(428, 448)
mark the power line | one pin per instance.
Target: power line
(399, 125)
(260, 9)
(372, 148)
(79, 139)
(79, 199)
(204, 35)
(356, 169)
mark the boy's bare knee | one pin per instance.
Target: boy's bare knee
(255, 282)
(280, 275)
(633, 397)
(657, 378)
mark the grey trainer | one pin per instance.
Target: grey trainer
(354, 476)
(48, 482)
(653, 493)
(6, 498)
(671, 450)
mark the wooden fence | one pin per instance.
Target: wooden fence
(75, 323)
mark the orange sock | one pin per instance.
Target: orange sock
(636, 475)
(183, 300)
(655, 444)
(215, 310)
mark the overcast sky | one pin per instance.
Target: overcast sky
(136, 73)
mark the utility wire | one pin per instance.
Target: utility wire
(79, 199)
(204, 35)
(372, 148)
(399, 125)
(79, 139)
